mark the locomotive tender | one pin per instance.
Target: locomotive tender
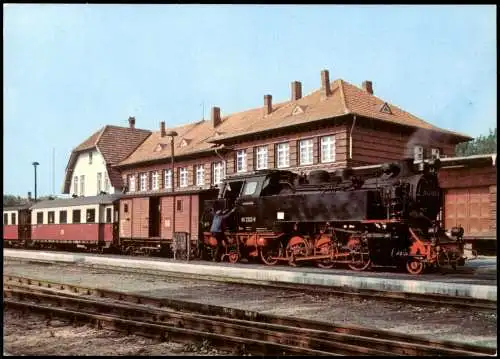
(386, 219)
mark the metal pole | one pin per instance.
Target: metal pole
(34, 165)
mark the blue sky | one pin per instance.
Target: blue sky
(71, 69)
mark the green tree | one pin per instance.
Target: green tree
(478, 146)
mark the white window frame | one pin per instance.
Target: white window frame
(200, 175)
(261, 158)
(218, 172)
(131, 183)
(283, 155)
(306, 152)
(99, 181)
(90, 157)
(167, 178)
(82, 185)
(106, 182)
(143, 182)
(241, 161)
(418, 153)
(183, 177)
(75, 185)
(435, 153)
(154, 181)
(328, 149)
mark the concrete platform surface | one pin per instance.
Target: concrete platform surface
(464, 283)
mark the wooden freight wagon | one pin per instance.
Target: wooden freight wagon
(149, 222)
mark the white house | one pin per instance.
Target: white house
(89, 171)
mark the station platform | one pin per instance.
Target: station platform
(477, 279)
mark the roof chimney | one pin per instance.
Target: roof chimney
(325, 83)
(131, 122)
(163, 133)
(296, 90)
(216, 120)
(368, 87)
(268, 104)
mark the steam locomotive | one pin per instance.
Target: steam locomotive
(387, 218)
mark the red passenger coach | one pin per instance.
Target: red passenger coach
(16, 225)
(85, 222)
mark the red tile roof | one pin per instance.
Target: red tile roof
(115, 144)
(344, 99)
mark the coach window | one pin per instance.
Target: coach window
(108, 215)
(39, 218)
(77, 216)
(51, 217)
(125, 208)
(63, 217)
(5, 219)
(179, 205)
(90, 215)
(13, 218)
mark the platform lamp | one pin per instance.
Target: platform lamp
(34, 165)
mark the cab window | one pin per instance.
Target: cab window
(249, 188)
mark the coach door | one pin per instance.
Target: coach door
(154, 217)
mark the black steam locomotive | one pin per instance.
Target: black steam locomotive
(386, 218)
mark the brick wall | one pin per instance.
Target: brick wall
(467, 177)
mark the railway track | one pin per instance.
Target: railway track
(227, 328)
(415, 298)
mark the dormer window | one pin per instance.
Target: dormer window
(184, 143)
(297, 110)
(386, 109)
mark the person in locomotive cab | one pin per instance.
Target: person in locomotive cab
(217, 229)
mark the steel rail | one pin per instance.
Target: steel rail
(416, 298)
(376, 340)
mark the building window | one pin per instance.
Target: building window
(131, 183)
(106, 183)
(39, 218)
(183, 177)
(143, 178)
(179, 205)
(200, 175)
(283, 155)
(82, 185)
(435, 153)
(77, 214)
(51, 217)
(108, 215)
(13, 218)
(328, 149)
(306, 152)
(168, 178)
(90, 215)
(63, 217)
(154, 181)
(261, 158)
(241, 161)
(90, 158)
(418, 153)
(99, 179)
(218, 172)
(5, 219)
(75, 185)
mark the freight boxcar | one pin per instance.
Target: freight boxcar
(150, 222)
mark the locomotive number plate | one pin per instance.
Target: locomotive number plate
(248, 219)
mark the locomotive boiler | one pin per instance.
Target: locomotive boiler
(387, 218)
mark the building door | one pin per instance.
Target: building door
(154, 216)
(469, 208)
